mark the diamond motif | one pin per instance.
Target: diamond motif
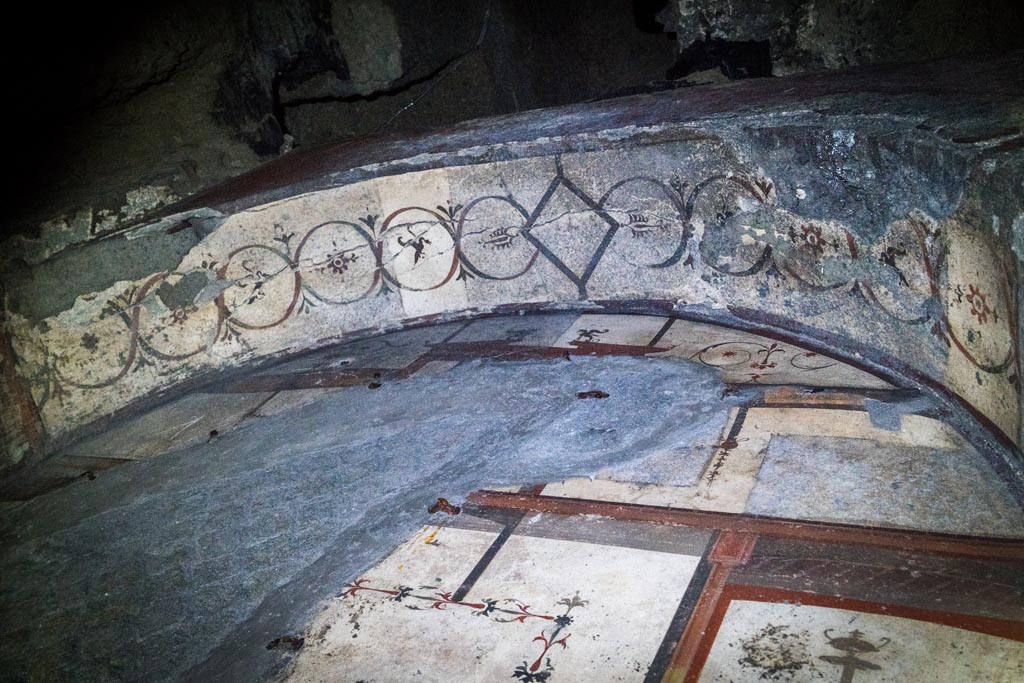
(570, 230)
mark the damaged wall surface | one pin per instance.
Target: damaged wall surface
(712, 374)
(871, 220)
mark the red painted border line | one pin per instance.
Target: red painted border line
(898, 539)
(731, 549)
(454, 351)
(30, 425)
(1001, 628)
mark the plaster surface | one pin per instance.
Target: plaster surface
(870, 480)
(862, 211)
(187, 565)
(290, 482)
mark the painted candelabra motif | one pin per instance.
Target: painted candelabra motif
(853, 646)
(723, 229)
(503, 611)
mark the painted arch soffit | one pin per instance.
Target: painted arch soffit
(690, 223)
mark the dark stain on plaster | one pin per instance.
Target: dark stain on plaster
(776, 653)
(864, 173)
(182, 293)
(736, 59)
(51, 287)
(947, 91)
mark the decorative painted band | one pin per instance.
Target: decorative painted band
(692, 222)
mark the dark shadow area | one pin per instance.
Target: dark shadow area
(735, 59)
(178, 96)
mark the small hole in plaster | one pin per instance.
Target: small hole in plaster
(594, 393)
(292, 643)
(442, 505)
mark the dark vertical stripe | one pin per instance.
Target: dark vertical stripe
(656, 671)
(721, 452)
(485, 559)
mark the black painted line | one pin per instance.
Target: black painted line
(542, 203)
(722, 450)
(460, 327)
(674, 633)
(737, 424)
(661, 332)
(539, 245)
(252, 411)
(599, 254)
(588, 200)
(486, 558)
(605, 216)
(555, 261)
(111, 458)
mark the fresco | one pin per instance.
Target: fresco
(690, 224)
(556, 597)
(811, 522)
